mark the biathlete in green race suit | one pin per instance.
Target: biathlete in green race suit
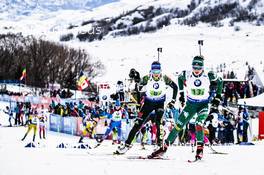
(201, 88)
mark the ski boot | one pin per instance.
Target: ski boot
(122, 149)
(80, 140)
(199, 151)
(99, 139)
(143, 146)
(99, 142)
(159, 152)
(116, 142)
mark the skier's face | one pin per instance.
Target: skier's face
(197, 70)
(156, 74)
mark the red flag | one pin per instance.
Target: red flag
(83, 82)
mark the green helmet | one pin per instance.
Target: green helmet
(198, 62)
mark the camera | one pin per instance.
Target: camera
(132, 73)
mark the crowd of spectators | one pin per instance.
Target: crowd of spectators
(235, 90)
(19, 113)
(225, 127)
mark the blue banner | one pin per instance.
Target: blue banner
(69, 125)
(55, 123)
(10, 81)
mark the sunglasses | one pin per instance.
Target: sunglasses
(197, 67)
(155, 71)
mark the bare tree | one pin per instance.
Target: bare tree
(45, 61)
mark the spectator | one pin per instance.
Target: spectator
(21, 117)
(65, 111)
(239, 125)
(247, 90)
(255, 89)
(229, 128)
(120, 90)
(17, 111)
(230, 93)
(42, 125)
(74, 112)
(245, 124)
(232, 75)
(81, 105)
(212, 124)
(9, 112)
(135, 76)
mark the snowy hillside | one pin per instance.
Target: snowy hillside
(25, 7)
(122, 18)
(215, 12)
(221, 45)
(153, 16)
(233, 42)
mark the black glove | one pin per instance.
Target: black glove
(105, 124)
(216, 101)
(84, 123)
(171, 104)
(181, 98)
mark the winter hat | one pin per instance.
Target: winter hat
(198, 62)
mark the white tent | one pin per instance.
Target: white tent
(257, 101)
(259, 76)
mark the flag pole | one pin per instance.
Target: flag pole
(76, 86)
(26, 77)
(19, 86)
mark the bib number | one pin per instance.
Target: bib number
(197, 92)
(155, 93)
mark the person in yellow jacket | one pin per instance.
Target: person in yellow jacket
(89, 125)
(32, 124)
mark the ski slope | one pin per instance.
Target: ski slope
(47, 159)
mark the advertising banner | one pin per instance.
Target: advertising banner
(55, 123)
(261, 125)
(69, 125)
(79, 126)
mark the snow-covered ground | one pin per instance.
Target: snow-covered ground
(47, 159)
